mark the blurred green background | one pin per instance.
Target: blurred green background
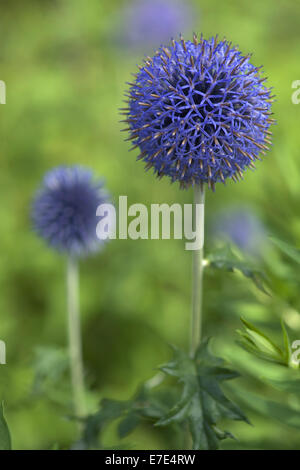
(65, 69)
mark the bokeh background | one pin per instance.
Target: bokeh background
(65, 64)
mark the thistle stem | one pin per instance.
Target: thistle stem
(74, 333)
(196, 320)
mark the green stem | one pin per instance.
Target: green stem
(196, 321)
(75, 347)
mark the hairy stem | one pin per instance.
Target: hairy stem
(196, 321)
(75, 346)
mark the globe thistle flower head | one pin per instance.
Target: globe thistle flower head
(148, 23)
(199, 112)
(64, 210)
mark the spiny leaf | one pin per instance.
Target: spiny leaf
(109, 411)
(5, 439)
(224, 258)
(180, 410)
(144, 405)
(202, 403)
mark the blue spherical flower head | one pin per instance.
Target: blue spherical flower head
(64, 210)
(199, 112)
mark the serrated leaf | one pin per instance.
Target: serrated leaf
(5, 439)
(179, 365)
(202, 403)
(109, 411)
(224, 258)
(221, 373)
(145, 405)
(180, 411)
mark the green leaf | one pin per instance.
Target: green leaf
(224, 258)
(51, 368)
(287, 249)
(202, 403)
(5, 439)
(270, 409)
(180, 411)
(128, 424)
(109, 411)
(261, 341)
(145, 405)
(258, 343)
(287, 344)
(288, 386)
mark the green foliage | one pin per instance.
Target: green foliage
(258, 343)
(270, 409)
(198, 408)
(224, 258)
(254, 341)
(50, 365)
(5, 439)
(202, 403)
(146, 405)
(51, 374)
(287, 249)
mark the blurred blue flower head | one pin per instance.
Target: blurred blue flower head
(242, 227)
(199, 112)
(149, 23)
(64, 210)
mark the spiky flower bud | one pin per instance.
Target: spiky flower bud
(199, 112)
(64, 210)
